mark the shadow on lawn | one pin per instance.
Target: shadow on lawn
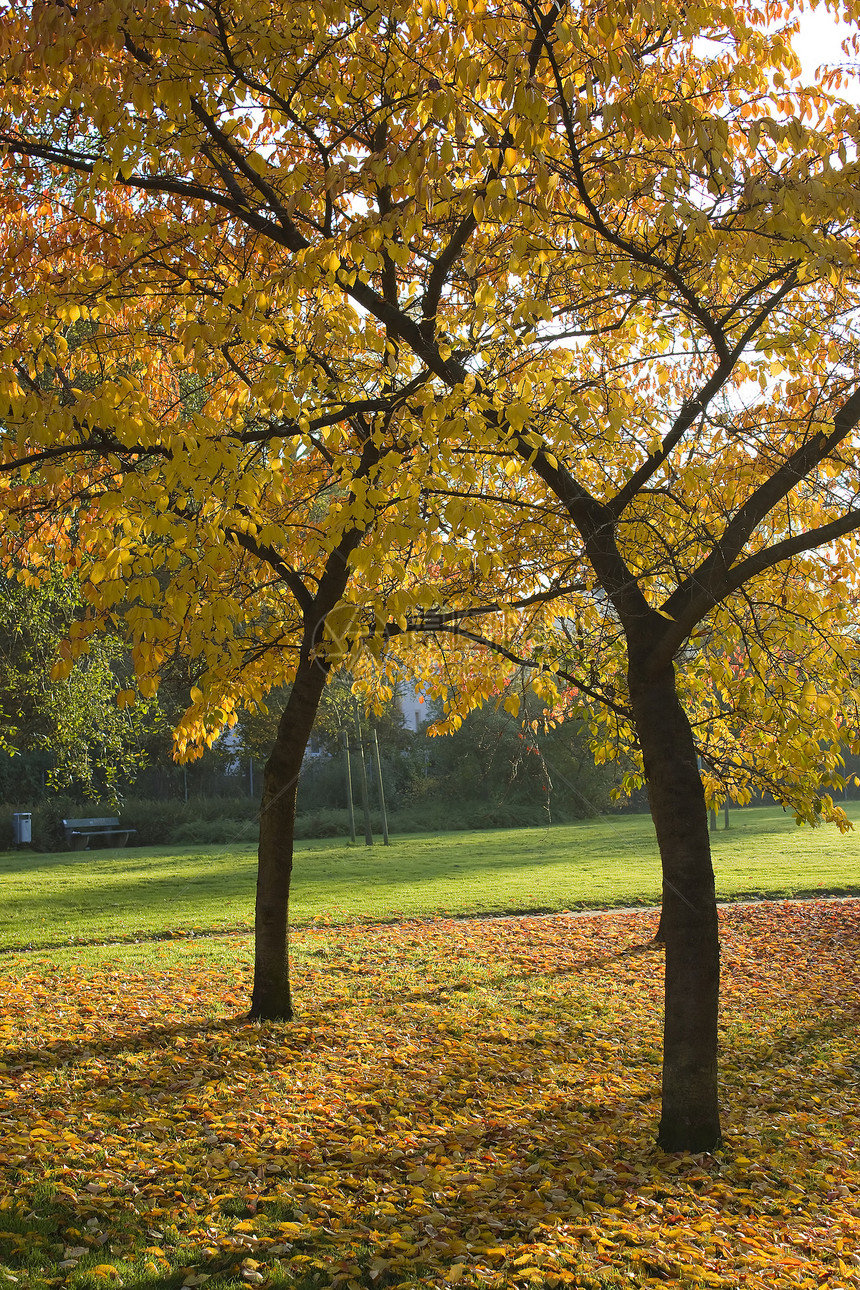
(444, 990)
(298, 1036)
(121, 1225)
(133, 1041)
(62, 1052)
(123, 1237)
(36, 1245)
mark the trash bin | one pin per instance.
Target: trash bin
(22, 828)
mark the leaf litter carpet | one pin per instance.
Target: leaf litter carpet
(457, 1103)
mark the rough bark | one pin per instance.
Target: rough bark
(271, 993)
(688, 924)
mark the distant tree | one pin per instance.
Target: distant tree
(497, 758)
(84, 742)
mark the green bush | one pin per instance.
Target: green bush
(214, 832)
(199, 820)
(48, 831)
(6, 831)
(227, 821)
(333, 823)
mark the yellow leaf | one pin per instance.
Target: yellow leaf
(518, 414)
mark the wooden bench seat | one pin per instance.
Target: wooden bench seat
(79, 833)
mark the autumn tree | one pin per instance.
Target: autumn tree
(561, 300)
(164, 473)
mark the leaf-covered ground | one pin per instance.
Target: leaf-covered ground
(459, 1103)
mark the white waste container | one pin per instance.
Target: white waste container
(22, 828)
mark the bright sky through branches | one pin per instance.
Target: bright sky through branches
(819, 41)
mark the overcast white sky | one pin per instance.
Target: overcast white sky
(819, 42)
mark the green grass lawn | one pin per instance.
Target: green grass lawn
(75, 897)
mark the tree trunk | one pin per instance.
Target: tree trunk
(271, 993)
(270, 998)
(688, 923)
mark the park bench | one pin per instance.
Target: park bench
(80, 832)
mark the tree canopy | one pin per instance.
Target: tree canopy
(612, 258)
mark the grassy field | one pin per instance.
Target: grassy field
(80, 897)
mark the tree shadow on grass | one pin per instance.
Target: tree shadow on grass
(62, 1052)
(136, 1040)
(117, 1249)
(791, 1043)
(444, 989)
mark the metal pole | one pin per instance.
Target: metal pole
(362, 784)
(349, 801)
(378, 765)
